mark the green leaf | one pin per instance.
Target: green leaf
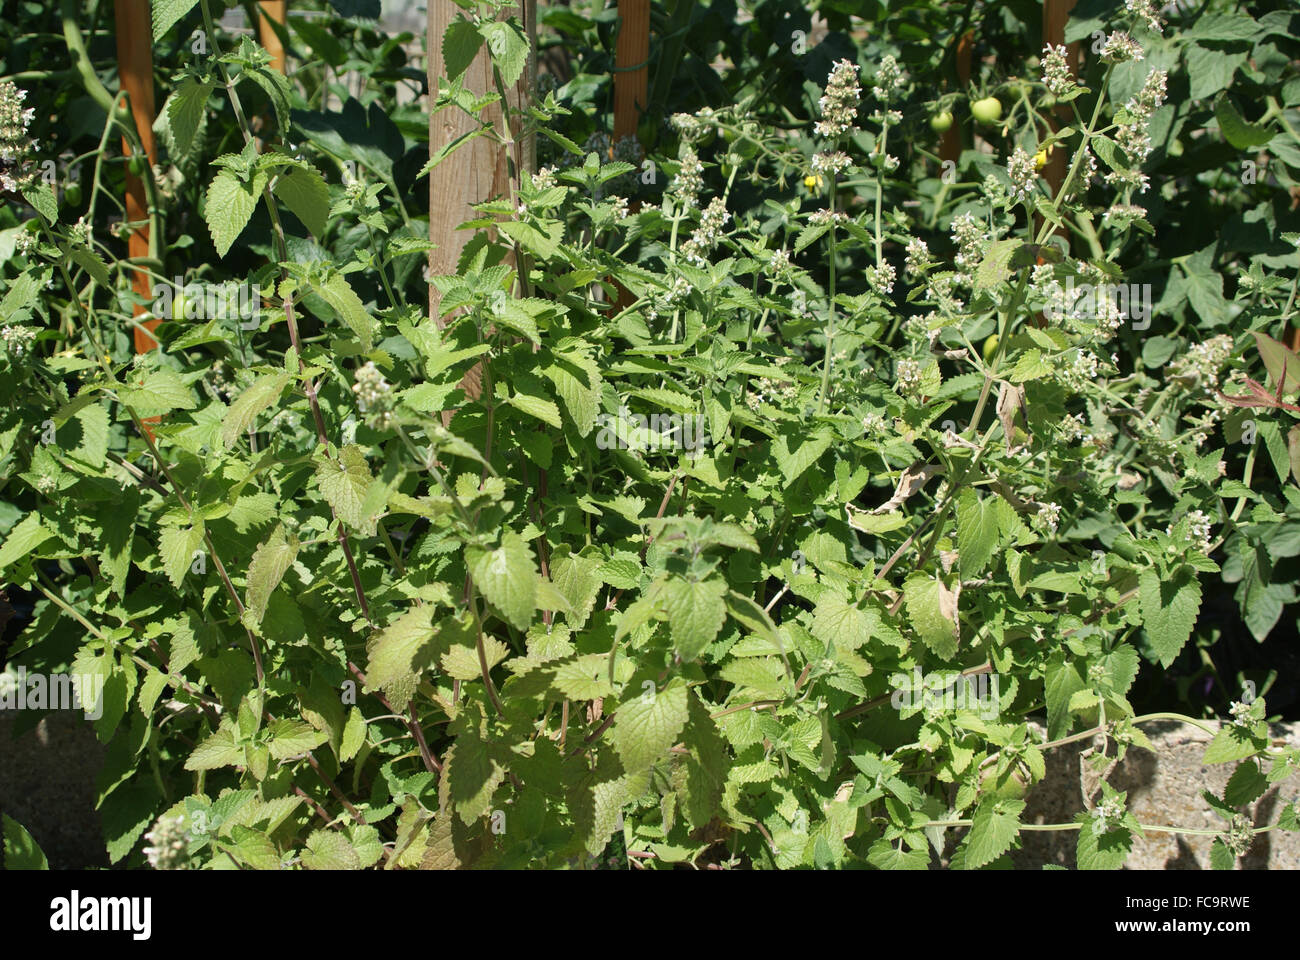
(696, 611)
(648, 725)
(995, 267)
(1232, 743)
(330, 850)
(89, 261)
(539, 407)
(338, 293)
(252, 849)
(470, 777)
(506, 577)
(577, 384)
(447, 149)
(287, 738)
(509, 48)
(993, 828)
(1221, 857)
(460, 43)
(977, 531)
(219, 750)
(932, 608)
(889, 855)
(159, 392)
(255, 398)
(304, 192)
(265, 571)
(22, 293)
(1064, 679)
(1169, 608)
(839, 621)
(584, 678)
(20, 850)
(1235, 128)
(176, 547)
(1107, 850)
(230, 204)
(1246, 785)
(277, 89)
(344, 483)
(578, 580)
(26, 536)
(401, 653)
(41, 197)
(793, 462)
(354, 735)
(166, 13)
(186, 109)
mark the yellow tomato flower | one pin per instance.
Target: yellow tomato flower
(1040, 158)
(813, 181)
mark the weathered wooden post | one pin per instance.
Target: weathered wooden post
(480, 169)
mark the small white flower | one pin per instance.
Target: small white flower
(1120, 48)
(839, 103)
(1048, 516)
(907, 375)
(1023, 174)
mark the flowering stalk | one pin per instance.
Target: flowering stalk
(830, 313)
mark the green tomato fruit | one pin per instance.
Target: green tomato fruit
(72, 195)
(990, 348)
(987, 111)
(941, 121)
(137, 165)
(179, 305)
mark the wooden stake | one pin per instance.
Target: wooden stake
(632, 70)
(276, 10)
(135, 68)
(950, 145)
(1055, 15)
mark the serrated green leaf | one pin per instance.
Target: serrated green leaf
(932, 607)
(304, 192)
(345, 483)
(994, 827)
(255, 398)
(176, 548)
(647, 726)
(696, 611)
(977, 531)
(1169, 607)
(330, 850)
(229, 205)
(338, 293)
(166, 13)
(506, 577)
(265, 571)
